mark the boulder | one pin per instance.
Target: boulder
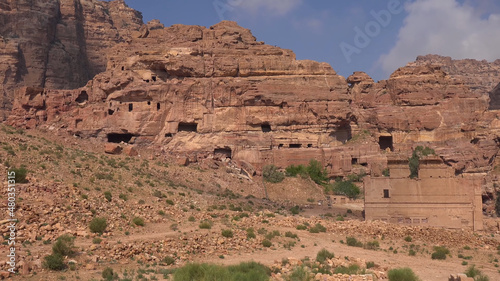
(112, 148)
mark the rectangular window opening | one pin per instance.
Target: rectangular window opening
(188, 127)
(386, 193)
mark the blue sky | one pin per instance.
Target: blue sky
(360, 35)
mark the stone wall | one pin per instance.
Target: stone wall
(436, 198)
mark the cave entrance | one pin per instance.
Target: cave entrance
(295, 145)
(221, 153)
(118, 138)
(266, 128)
(187, 127)
(386, 142)
(343, 133)
(82, 97)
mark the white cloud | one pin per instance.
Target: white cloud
(447, 28)
(278, 7)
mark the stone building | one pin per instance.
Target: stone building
(437, 197)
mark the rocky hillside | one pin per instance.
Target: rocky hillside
(58, 44)
(480, 76)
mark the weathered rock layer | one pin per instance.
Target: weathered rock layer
(58, 44)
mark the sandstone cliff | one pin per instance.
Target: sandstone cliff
(480, 76)
(217, 92)
(58, 44)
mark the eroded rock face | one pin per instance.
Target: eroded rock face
(480, 76)
(58, 44)
(218, 93)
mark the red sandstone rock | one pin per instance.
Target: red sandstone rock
(112, 148)
(130, 151)
(219, 93)
(182, 161)
(63, 44)
(4, 274)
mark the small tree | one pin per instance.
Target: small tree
(317, 173)
(64, 245)
(271, 174)
(414, 160)
(323, 255)
(293, 171)
(346, 188)
(54, 262)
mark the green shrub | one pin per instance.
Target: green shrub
(299, 274)
(301, 227)
(205, 225)
(228, 233)
(414, 160)
(372, 245)
(20, 174)
(272, 234)
(295, 210)
(54, 262)
(108, 274)
(353, 242)
(124, 197)
(266, 243)
(370, 264)
(356, 177)
(250, 271)
(351, 270)
(98, 225)
(472, 271)
(251, 233)
(158, 194)
(402, 274)
(317, 228)
(108, 196)
(293, 171)
(290, 234)
(408, 239)
(64, 245)
(191, 219)
(386, 172)
(168, 260)
(440, 253)
(316, 172)
(138, 221)
(438, 256)
(323, 255)
(346, 188)
(482, 278)
(96, 240)
(271, 174)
